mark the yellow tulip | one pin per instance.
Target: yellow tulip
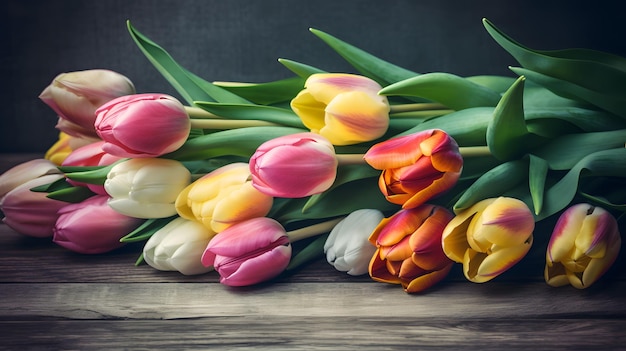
(584, 244)
(489, 237)
(344, 108)
(222, 198)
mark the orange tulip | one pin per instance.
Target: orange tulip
(416, 167)
(409, 248)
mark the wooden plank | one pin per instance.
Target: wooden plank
(316, 333)
(454, 301)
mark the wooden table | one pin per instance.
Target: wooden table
(53, 299)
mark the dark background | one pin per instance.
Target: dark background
(240, 40)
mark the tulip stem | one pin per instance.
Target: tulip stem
(420, 114)
(313, 230)
(196, 112)
(350, 159)
(474, 151)
(228, 123)
(422, 106)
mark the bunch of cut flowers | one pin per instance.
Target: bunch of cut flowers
(384, 171)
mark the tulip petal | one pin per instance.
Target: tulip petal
(396, 152)
(378, 271)
(259, 269)
(426, 281)
(500, 260)
(310, 111)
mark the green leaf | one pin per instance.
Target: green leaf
(253, 112)
(566, 118)
(537, 173)
(383, 72)
(58, 184)
(146, 229)
(499, 84)
(507, 135)
(493, 183)
(94, 176)
(613, 104)
(601, 201)
(593, 70)
(266, 93)
(602, 163)
(467, 127)
(312, 251)
(300, 69)
(235, 142)
(74, 194)
(188, 85)
(448, 89)
(345, 174)
(564, 152)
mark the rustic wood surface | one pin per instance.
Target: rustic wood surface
(53, 299)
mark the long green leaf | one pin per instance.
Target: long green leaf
(300, 69)
(74, 194)
(593, 70)
(564, 152)
(493, 183)
(188, 85)
(507, 135)
(537, 172)
(614, 104)
(235, 142)
(383, 72)
(601, 163)
(448, 89)
(272, 114)
(266, 93)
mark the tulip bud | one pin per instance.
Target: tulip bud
(25, 172)
(489, 237)
(142, 125)
(90, 155)
(92, 227)
(584, 244)
(249, 252)
(31, 213)
(294, 166)
(409, 248)
(64, 146)
(344, 108)
(222, 198)
(75, 96)
(416, 167)
(347, 247)
(178, 246)
(146, 187)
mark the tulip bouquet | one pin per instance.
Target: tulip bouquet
(385, 171)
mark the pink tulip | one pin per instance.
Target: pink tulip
(416, 167)
(294, 166)
(75, 96)
(31, 213)
(92, 227)
(25, 172)
(90, 155)
(142, 125)
(249, 252)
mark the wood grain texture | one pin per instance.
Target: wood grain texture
(53, 299)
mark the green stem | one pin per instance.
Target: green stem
(422, 106)
(223, 124)
(313, 230)
(198, 113)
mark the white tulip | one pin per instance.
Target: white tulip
(347, 247)
(146, 187)
(178, 246)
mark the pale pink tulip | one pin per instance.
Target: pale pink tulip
(75, 96)
(25, 172)
(92, 227)
(31, 213)
(294, 166)
(142, 125)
